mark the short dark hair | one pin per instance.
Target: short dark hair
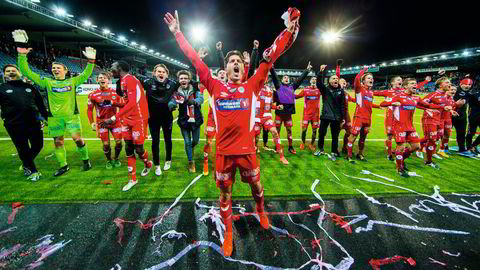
(184, 72)
(234, 52)
(10, 65)
(124, 66)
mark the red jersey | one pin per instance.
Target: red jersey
(105, 102)
(136, 108)
(403, 114)
(364, 99)
(264, 105)
(388, 93)
(434, 116)
(311, 106)
(233, 105)
(447, 115)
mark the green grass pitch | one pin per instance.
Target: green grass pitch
(457, 174)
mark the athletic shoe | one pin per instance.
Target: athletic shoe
(361, 157)
(466, 154)
(26, 171)
(167, 166)
(129, 185)
(432, 164)
(34, 177)
(205, 168)
(475, 151)
(350, 160)
(390, 157)
(266, 148)
(87, 165)
(191, 166)
(437, 156)
(333, 156)
(117, 163)
(158, 170)
(147, 168)
(443, 154)
(403, 173)
(264, 220)
(227, 246)
(319, 153)
(312, 147)
(282, 159)
(302, 146)
(109, 165)
(61, 171)
(292, 150)
(419, 154)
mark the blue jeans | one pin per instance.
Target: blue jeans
(190, 138)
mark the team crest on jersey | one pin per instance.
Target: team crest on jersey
(241, 89)
(461, 94)
(114, 97)
(28, 90)
(168, 86)
(233, 104)
(154, 87)
(232, 90)
(312, 97)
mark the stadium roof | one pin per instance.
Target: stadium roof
(65, 31)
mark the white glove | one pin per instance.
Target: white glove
(94, 126)
(20, 36)
(90, 53)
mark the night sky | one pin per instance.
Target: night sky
(381, 30)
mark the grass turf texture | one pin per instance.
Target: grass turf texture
(457, 174)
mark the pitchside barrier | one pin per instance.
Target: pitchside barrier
(85, 89)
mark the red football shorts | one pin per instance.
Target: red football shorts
(358, 124)
(210, 130)
(389, 125)
(406, 136)
(116, 130)
(286, 119)
(226, 167)
(135, 131)
(430, 130)
(313, 118)
(266, 123)
(447, 128)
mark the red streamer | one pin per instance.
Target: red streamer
(376, 263)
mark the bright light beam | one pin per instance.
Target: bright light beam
(199, 32)
(330, 37)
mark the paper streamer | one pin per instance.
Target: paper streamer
(377, 175)
(376, 263)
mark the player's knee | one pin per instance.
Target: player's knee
(106, 148)
(139, 149)
(129, 149)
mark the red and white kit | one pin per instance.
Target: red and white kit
(105, 102)
(311, 106)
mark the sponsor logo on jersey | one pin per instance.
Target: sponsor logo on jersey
(312, 97)
(241, 90)
(251, 173)
(61, 89)
(368, 98)
(136, 134)
(28, 90)
(408, 107)
(233, 104)
(222, 176)
(9, 91)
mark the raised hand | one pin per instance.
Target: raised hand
(454, 113)
(90, 53)
(255, 44)
(20, 36)
(172, 22)
(441, 72)
(23, 50)
(202, 53)
(428, 79)
(322, 68)
(94, 126)
(219, 45)
(246, 57)
(447, 108)
(309, 67)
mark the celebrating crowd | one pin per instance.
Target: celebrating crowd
(240, 107)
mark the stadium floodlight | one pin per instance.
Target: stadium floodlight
(425, 58)
(330, 37)
(106, 31)
(133, 43)
(350, 68)
(35, 1)
(344, 69)
(357, 67)
(143, 47)
(435, 58)
(478, 50)
(60, 12)
(456, 54)
(373, 65)
(443, 56)
(199, 32)
(122, 38)
(150, 51)
(384, 64)
(94, 26)
(408, 61)
(168, 58)
(87, 23)
(163, 55)
(395, 63)
(466, 53)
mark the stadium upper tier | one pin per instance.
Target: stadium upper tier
(7, 59)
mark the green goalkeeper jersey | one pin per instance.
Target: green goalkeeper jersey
(61, 94)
